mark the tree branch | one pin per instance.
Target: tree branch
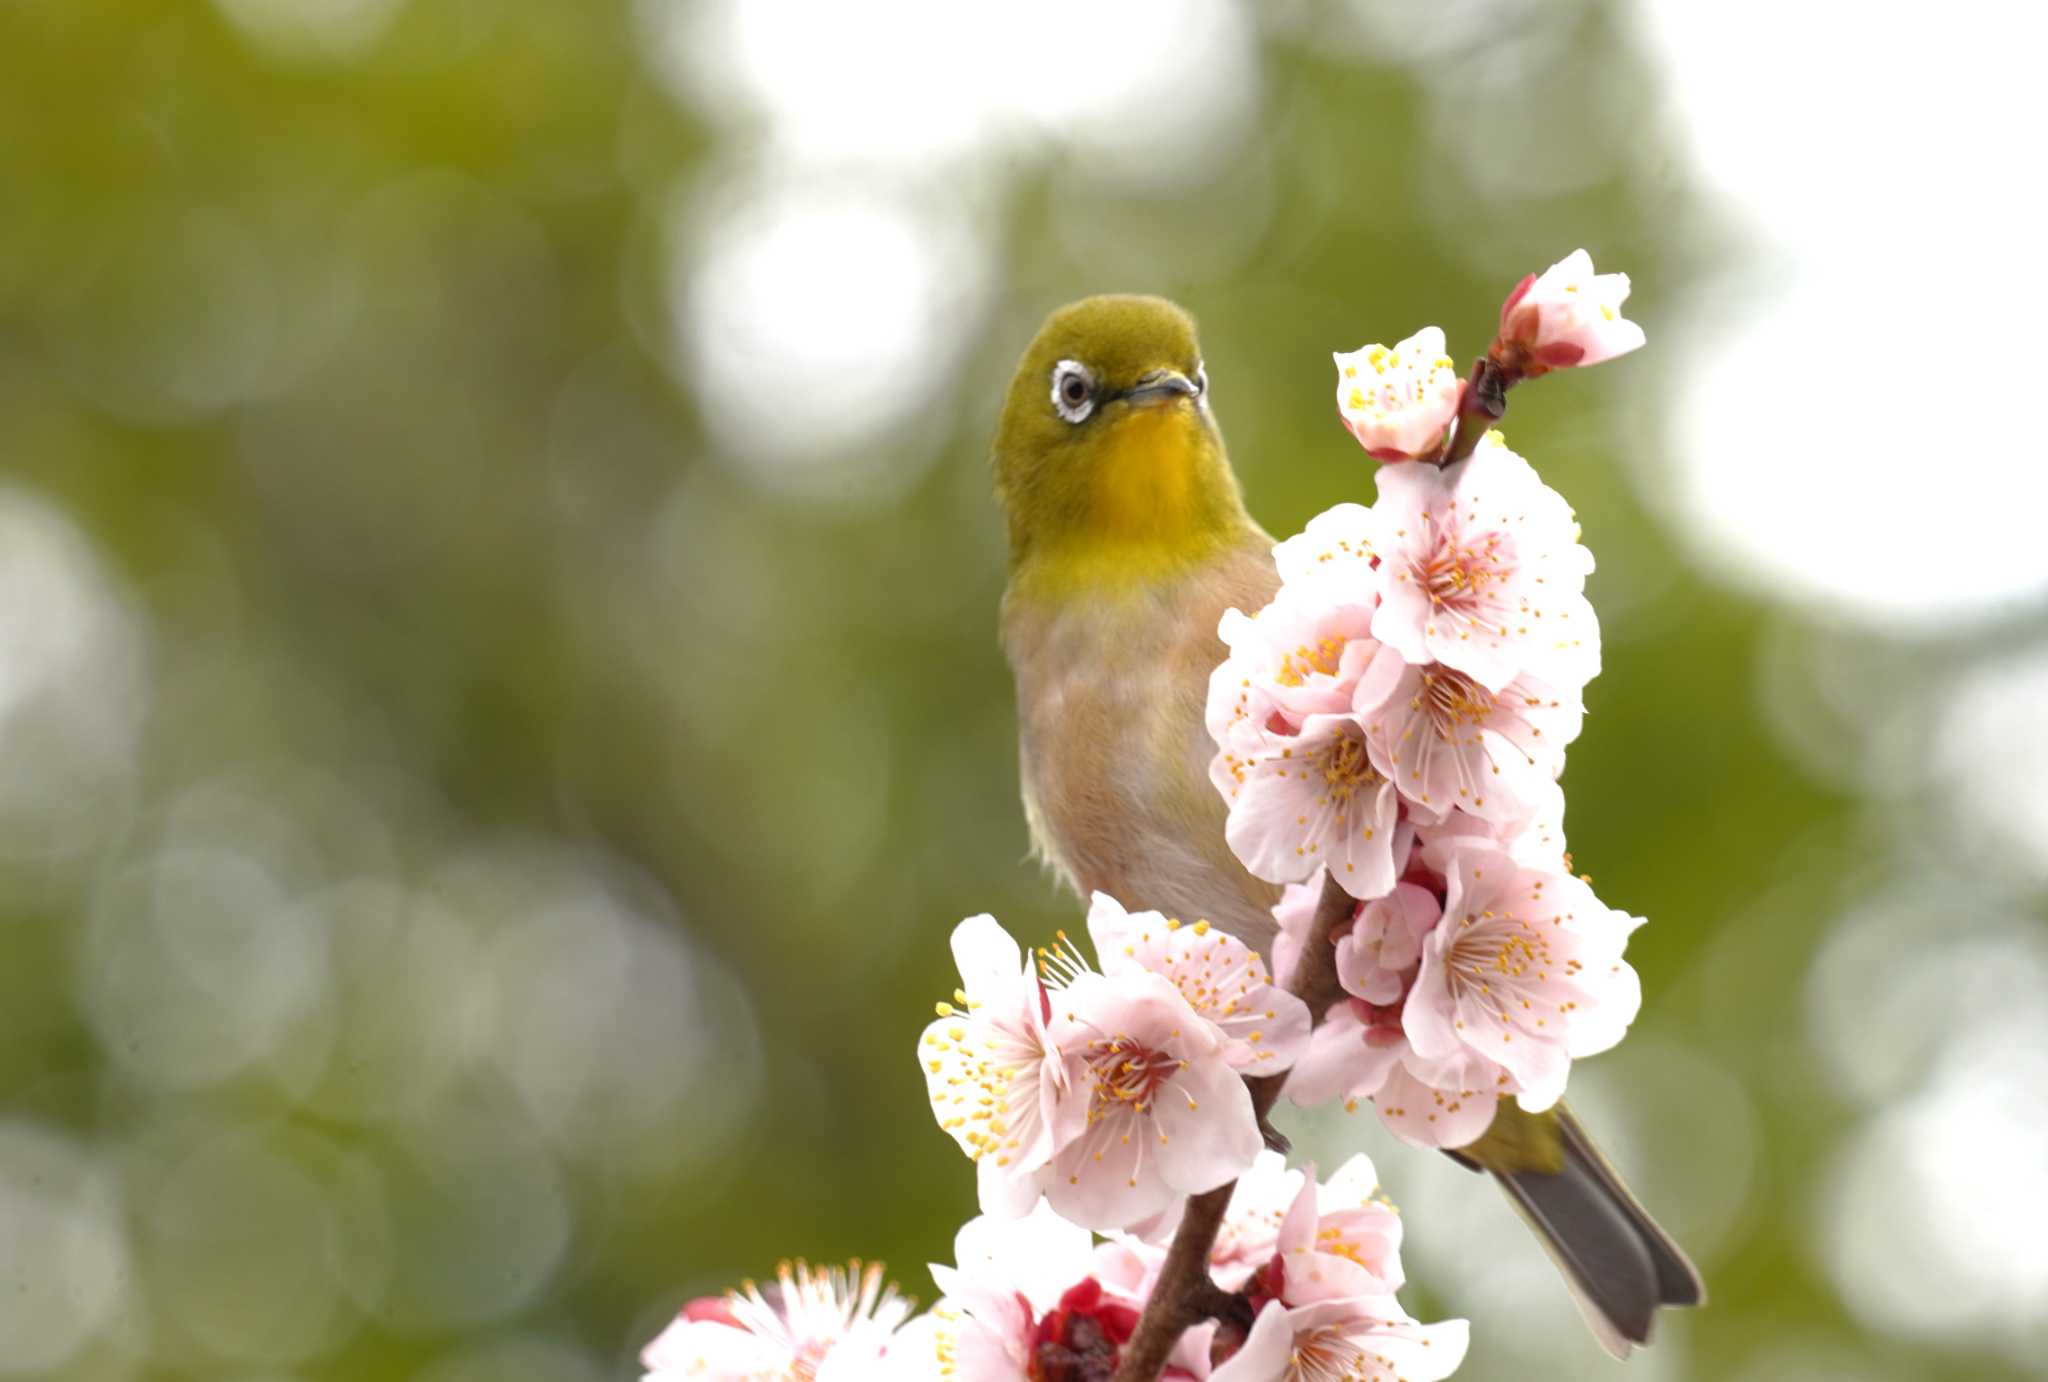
(1485, 403)
(1184, 1293)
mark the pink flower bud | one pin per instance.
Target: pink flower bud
(1398, 401)
(1566, 316)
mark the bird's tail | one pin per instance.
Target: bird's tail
(1620, 1265)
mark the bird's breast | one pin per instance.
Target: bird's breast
(1113, 749)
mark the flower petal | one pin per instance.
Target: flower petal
(1263, 1357)
(1424, 1116)
(1207, 1132)
(1338, 1062)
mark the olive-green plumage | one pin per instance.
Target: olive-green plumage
(1128, 540)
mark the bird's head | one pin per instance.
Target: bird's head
(1107, 460)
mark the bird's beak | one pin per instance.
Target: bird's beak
(1160, 386)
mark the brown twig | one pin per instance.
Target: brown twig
(1184, 1293)
(1485, 403)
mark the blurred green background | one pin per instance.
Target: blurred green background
(498, 688)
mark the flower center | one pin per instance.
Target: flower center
(1497, 951)
(1297, 666)
(1333, 1242)
(1494, 955)
(1346, 767)
(1461, 571)
(1327, 1356)
(1127, 1073)
(1080, 1339)
(811, 1313)
(1451, 698)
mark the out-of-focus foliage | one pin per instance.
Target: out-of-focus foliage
(500, 706)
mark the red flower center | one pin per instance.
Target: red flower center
(1080, 1338)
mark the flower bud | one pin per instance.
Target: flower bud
(1398, 401)
(1566, 316)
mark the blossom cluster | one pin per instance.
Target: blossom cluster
(1396, 720)
(1399, 401)
(1099, 1095)
(1039, 1297)
(1113, 1092)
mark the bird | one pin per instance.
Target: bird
(1128, 540)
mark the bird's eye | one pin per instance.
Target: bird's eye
(1073, 390)
(1201, 379)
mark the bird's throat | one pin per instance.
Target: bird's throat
(1144, 490)
(1160, 497)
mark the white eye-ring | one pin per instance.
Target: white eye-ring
(1201, 380)
(1073, 390)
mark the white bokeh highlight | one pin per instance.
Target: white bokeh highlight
(1935, 1213)
(1991, 760)
(65, 1265)
(483, 1217)
(813, 320)
(1932, 1011)
(311, 30)
(1152, 94)
(1846, 401)
(821, 302)
(73, 683)
(192, 964)
(240, 1243)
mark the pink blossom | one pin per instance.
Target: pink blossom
(1525, 972)
(1245, 1243)
(1398, 402)
(1163, 1112)
(1362, 1050)
(1380, 948)
(1422, 1102)
(1301, 801)
(1425, 1103)
(1301, 655)
(1128, 1263)
(1340, 1238)
(1263, 1028)
(996, 1077)
(1440, 1103)
(1334, 548)
(1535, 838)
(1568, 315)
(1481, 570)
(1343, 1061)
(1383, 948)
(1447, 742)
(1324, 1259)
(833, 1325)
(1444, 1018)
(1036, 1257)
(1250, 1234)
(1358, 1339)
(1009, 1275)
